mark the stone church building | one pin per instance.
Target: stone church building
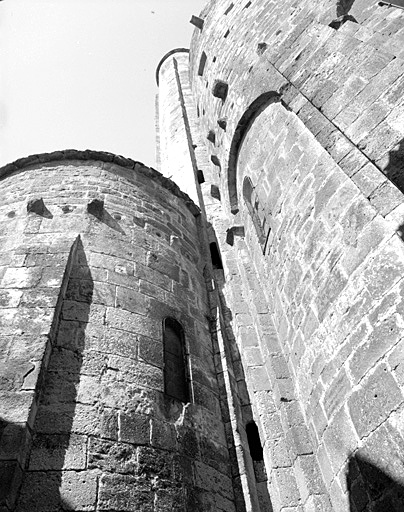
(225, 334)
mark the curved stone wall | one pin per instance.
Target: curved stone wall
(343, 83)
(304, 99)
(332, 274)
(106, 251)
(175, 140)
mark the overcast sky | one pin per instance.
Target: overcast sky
(81, 73)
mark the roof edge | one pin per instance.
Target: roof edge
(100, 156)
(166, 56)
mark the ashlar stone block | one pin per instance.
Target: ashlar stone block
(374, 401)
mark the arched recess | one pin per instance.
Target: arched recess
(243, 125)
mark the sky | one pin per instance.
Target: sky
(80, 74)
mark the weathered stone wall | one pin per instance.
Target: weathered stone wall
(331, 276)
(175, 151)
(102, 434)
(234, 400)
(344, 84)
(300, 331)
(313, 116)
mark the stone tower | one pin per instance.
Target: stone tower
(236, 346)
(293, 115)
(109, 394)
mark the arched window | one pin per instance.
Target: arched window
(176, 382)
(257, 456)
(259, 215)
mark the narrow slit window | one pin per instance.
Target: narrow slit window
(254, 442)
(176, 382)
(215, 256)
(259, 215)
(200, 177)
(202, 64)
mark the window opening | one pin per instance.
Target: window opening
(215, 256)
(202, 63)
(200, 177)
(257, 456)
(259, 216)
(176, 382)
(254, 442)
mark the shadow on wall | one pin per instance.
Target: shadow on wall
(252, 445)
(371, 489)
(394, 171)
(51, 478)
(344, 6)
(395, 168)
(253, 464)
(12, 442)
